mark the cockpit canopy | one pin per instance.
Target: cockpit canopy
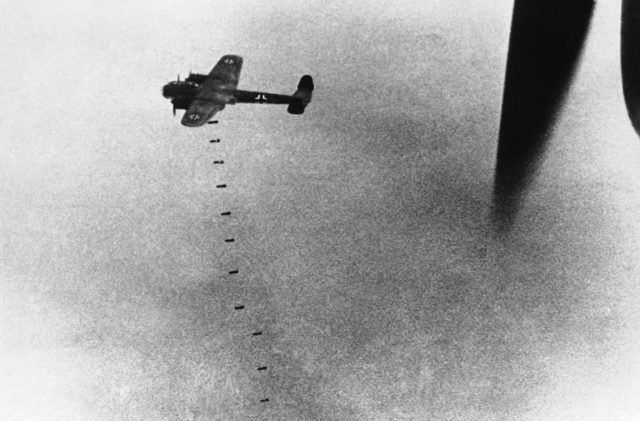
(178, 88)
(196, 78)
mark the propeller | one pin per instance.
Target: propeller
(545, 46)
(174, 109)
(178, 77)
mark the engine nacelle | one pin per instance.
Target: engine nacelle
(302, 96)
(181, 102)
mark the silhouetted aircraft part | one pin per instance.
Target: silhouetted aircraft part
(546, 40)
(214, 141)
(257, 333)
(264, 400)
(262, 368)
(181, 93)
(225, 213)
(202, 96)
(297, 102)
(233, 272)
(179, 102)
(218, 162)
(221, 186)
(630, 59)
(229, 240)
(239, 307)
(254, 97)
(302, 95)
(196, 78)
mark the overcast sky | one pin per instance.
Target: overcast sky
(362, 228)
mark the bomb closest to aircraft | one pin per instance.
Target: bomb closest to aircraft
(202, 96)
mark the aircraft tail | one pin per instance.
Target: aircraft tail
(302, 96)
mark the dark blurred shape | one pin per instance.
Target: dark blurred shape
(221, 186)
(196, 78)
(225, 213)
(302, 96)
(179, 89)
(630, 59)
(262, 368)
(218, 162)
(214, 141)
(264, 400)
(257, 333)
(233, 272)
(239, 307)
(544, 47)
(229, 240)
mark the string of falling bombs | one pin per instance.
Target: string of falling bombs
(236, 271)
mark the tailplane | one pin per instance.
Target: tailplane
(302, 96)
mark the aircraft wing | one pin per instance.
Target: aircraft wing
(200, 112)
(261, 97)
(227, 72)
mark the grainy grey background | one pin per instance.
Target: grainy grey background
(363, 233)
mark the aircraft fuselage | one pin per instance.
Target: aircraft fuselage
(202, 96)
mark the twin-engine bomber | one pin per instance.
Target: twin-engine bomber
(202, 96)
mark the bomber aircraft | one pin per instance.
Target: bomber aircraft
(204, 95)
